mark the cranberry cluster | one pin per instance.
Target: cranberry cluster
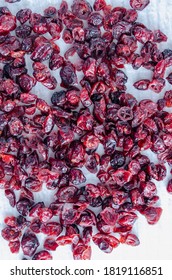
(55, 144)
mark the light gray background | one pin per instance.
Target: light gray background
(156, 241)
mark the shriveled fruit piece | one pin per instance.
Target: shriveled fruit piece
(45, 214)
(81, 251)
(14, 246)
(121, 176)
(7, 24)
(142, 84)
(10, 234)
(42, 255)
(152, 214)
(50, 244)
(29, 243)
(139, 4)
(130, 239)
(168, 98)
(169, 186)
(106, 243)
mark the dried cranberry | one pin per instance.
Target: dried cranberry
(23, 15)
(42, 255)
(81, 8)
(168, 98)
(169, 186)
(139, 4)
(29, 243)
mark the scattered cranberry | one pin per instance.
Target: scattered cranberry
(139, 4)
(52, 144)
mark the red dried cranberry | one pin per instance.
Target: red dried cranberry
(152, 214)
(139, 4)
(169, 186)
(42, 255)
(81, 8)
(10, 234)
(168, 98)
(106, 243)
(23, 15)
(14, 246)
(29, 243)
(142, 84)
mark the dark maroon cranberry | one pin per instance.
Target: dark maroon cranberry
(29, 243)
(23, 15)
(59, 98)
(23, 31)
(81, 9)
(23, 206)
(117, 160)
(26, 82)
(68, 75)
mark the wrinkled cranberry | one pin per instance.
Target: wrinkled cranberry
(91, 124)
(42, 255)
(168, 98)
(29, 243)
(139, 4)
(106, 243)
(81, 8)
(10, 234)
(152, 214)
